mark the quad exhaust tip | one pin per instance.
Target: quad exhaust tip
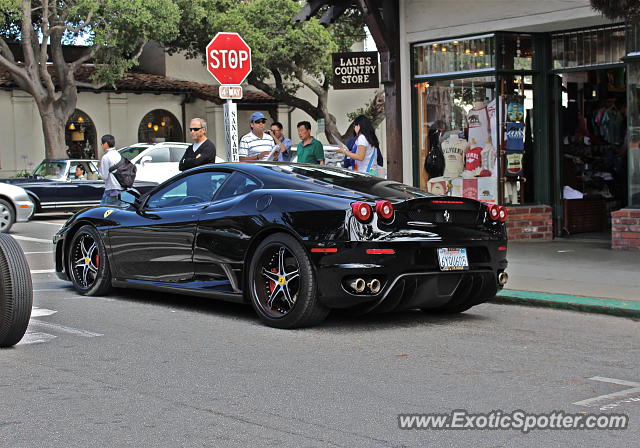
(503, 278)
(374, 286)
(358, 285)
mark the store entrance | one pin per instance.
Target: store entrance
(592, 177)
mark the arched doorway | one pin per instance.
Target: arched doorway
(80, 136)
(160, 125)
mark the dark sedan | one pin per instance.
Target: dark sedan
(54, 186)
(292, 240)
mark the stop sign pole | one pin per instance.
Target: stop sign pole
(229, 62)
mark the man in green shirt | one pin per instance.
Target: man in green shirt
(309, 149)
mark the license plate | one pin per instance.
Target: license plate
(453, 259)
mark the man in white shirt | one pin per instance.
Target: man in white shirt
(256, 145)
(112, 187)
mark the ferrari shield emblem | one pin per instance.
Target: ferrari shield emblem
(108, 212)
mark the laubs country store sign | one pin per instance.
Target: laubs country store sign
(355, 70)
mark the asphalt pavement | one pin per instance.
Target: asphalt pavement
(135, 368)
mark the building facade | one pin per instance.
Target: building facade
(529, 105)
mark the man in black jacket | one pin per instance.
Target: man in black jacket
(202, 151)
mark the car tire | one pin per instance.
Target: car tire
(282, 284)
(7, 216)
(16, 292)
(87, 263)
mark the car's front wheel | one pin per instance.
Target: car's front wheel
(88, 264)
(7, 216)
(16, 292)
(282, 284)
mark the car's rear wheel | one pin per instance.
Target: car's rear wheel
(16, 292)
(88, 264)
(7, 216)
(282, 284)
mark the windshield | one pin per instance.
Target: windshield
(352, 180)
(131, 151)
(51, 170)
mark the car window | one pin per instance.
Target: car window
(158, 155)
(131, 151)
(238, 184)
(51, 170)
(191, 189)
(176, 153)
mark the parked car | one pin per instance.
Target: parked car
(331, 155)
(53, 185)
(292, 240)
(15, 206)
(156, 162)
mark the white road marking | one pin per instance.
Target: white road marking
(52, 289)
(58, 224)
(28, 238)
(42, 271)
(635, 389)
(89, 299)
(64, 329)
(45, 252)
(39, 312)
(34, 337)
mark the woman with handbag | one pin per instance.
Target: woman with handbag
(367, 144)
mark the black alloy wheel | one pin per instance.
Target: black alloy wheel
(7, 216)
(88, 264)
(282, 284)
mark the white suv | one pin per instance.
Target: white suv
(156, 162)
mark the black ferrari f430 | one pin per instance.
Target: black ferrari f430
(293, 240)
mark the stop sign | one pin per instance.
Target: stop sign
(228, 58)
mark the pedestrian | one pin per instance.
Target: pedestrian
(367, 146)
(112, 187)
(282, 142)
(202, 150)
(310, 150)
(256, 145)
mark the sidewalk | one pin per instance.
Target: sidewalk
(583, 275)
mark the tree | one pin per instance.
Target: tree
(286, 56)
(617, 9)
(114, 33)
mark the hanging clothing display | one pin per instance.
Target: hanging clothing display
(454, 149)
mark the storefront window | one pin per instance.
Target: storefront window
(80, 136)
(455, 55)
(633, 158)
(159, 126)
(516, 52)
(459, 137)
(603, 45)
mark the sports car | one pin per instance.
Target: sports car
(294, 241)
(53, 186)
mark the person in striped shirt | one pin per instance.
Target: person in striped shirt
(256, 145)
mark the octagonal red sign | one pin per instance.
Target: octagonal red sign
(228, 58)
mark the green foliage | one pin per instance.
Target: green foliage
(618, 9)
(22, 173)
(277, 43)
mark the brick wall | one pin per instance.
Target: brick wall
(625, 229)
(530, 223)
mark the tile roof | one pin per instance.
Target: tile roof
(146, 82)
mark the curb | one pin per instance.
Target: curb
(577, 303)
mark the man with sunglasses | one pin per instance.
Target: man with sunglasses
(256, 145)
(202, 151)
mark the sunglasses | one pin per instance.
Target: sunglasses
(194, 129)
(262, 121)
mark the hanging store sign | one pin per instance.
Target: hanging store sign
(355, 70)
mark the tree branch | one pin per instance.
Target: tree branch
(19, 74)
(27, 37)
(42, 64)
(286, 98)
(306, 79)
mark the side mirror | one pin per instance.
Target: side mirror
(130, 197)
(145, 159)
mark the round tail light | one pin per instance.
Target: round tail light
(362, 211)
(494, 213)
(502, 214)
(384, 209)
